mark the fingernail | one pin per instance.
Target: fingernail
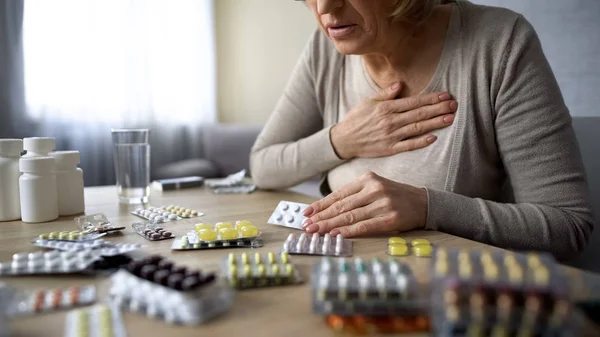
(449, 119)
(312, 228)
(453, 105)
(306, 223)
(334, 232)
(444, 97)
(431, 139)
(309, 211)
(395, 86)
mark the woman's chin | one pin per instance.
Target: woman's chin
(348, 47)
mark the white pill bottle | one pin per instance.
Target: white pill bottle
(39, 200)
(69, 181)
(10, 152)
(38, 146)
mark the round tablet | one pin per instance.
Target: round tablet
(35, 264)
(420, 242)
(74, 237)
(53, 264)
(222, 225)
(207, 235)
(395, 240)
(54, 235)
(398, 249)
(35, 255)
(134, 267)
(194, 213)
(190, 283)
(161, 276)
(51, 255)
(422, 250)
(44, 236)
(166, 234)
(173, 217)
(228, 233)
(202, 226)
(74, 232)
(155, 236)
(159, 219)
(20, 256)
(240, 224)
(249, 231)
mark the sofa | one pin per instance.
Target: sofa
(227, 149)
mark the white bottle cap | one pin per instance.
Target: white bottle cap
(37, 164)
(66, 159)
(11, 147)
(39, 144)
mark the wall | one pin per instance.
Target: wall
(258, 43)
(570, 35)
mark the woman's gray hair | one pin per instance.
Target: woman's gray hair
(414, 11)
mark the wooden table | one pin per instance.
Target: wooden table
(283, 311)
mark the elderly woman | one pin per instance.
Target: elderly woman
(425, 114)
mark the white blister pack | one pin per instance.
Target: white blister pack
(288, 214)
(326, 245)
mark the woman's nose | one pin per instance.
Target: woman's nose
(328, 6)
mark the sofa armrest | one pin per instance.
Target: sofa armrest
(190, 167)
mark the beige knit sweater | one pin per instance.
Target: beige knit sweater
(515, 177)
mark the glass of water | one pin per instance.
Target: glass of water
(132, 164)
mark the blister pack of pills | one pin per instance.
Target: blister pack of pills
(35, 302)
(244, 271)
(377, 325)
(478, 292)
(221, 235)
(151, 231)
(76, 236)
(100, 247)
(418, 247)
(315, 244)
(98, 321)
(288, 214)
(166, 213)
(234, 179)
(238, 189)
(349, 287)
(96, 223)
(45, 263)
(157, 288)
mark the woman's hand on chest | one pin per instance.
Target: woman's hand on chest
(370, 204)
(382, 126)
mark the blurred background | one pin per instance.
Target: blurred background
(203, 75)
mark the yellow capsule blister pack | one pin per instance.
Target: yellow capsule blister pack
(221, 235)
(100, 320)
(398, 246)
(256, 270)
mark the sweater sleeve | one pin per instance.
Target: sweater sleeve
(294, 145)
(551, 210)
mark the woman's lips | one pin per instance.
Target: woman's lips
(341, 31)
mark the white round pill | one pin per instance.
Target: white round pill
(20, 256)
(289, 219)
(173, 217)
(278, 217)
(19, 264)
(35, 264)
(159, 219)
(69, 263)
(154, 215)
(35, 255)
(5, 266)
(84, 254)
(51, 255)
(297, 208)
(285, 207)
(53, 264)
(67, 255)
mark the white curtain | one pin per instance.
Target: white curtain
(93, 65)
